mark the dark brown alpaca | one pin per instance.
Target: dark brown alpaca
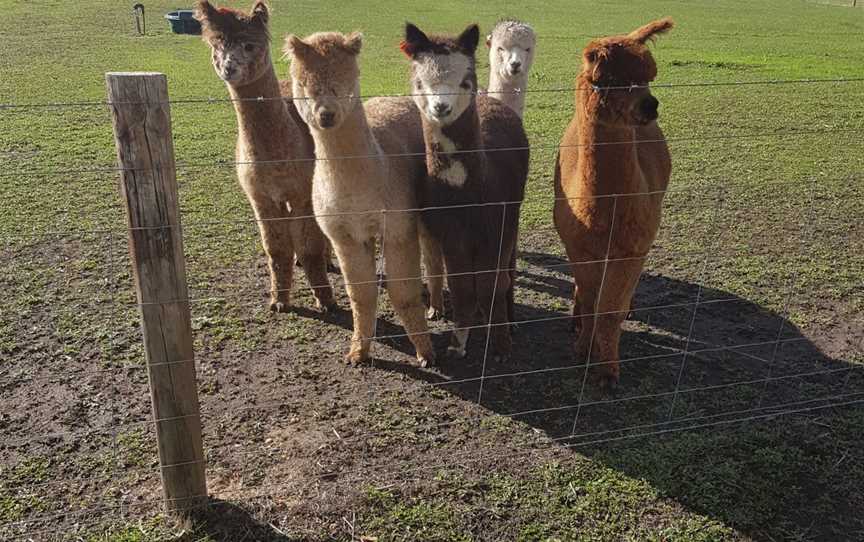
(275, 153)
(462, 131)
(612, 148)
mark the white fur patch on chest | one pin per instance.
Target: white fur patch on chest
(445, 142)
(454, 174)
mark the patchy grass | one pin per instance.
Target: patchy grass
(765, 212)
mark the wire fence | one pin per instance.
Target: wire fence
(702, 375)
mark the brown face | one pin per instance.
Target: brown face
(239, 43)
(616, 72)
(325, 77)
(620, 72)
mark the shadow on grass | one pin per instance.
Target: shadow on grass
(707, 368)
(223, 520)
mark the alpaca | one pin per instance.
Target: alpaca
(275, 153)
(601, 156)
(361, 189)
(511, 54)
(462, 131)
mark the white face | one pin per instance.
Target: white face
(511, 55)
(443, 86)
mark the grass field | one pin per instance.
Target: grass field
(764, 218)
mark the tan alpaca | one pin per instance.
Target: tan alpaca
(275, 152)
(600, 157)
(355, 180)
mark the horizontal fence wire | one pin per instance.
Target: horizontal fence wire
(691, 348)
(595, 88)
(235, 163)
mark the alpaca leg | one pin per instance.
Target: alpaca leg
(433, 262)
(358, 268)
(464, 297)
(278, 245)
(313, 253)
(402, 265)
(608, 310)
(493, 299)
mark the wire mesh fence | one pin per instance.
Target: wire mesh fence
(718, 334)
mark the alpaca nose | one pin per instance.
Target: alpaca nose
(327, 119)
(230, 70)
(515, 66)
(649, 107)
(441, 109)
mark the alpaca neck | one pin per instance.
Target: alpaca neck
(338, 151)
(264, 126)
(607, 153)
(443, 163)
(510, 90)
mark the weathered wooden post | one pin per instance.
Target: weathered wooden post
(148, 184)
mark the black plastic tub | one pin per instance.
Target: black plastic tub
(182, 22)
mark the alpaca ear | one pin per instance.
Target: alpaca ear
(651, 30)
(353, 42)
(489, 41)
(204, 10)
(260, 12)
(414, 42)
(469, 39)
(295, 46)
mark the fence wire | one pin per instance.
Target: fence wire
(384, 472)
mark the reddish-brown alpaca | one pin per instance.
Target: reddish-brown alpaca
(612, 171)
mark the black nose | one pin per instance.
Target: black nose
(649, 107)
(515, 66)
(327, 119)
(442, 109)
(230, 70)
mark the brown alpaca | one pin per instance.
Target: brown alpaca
(601, 155)
(462, 131)
(369, 161)
(275, 153)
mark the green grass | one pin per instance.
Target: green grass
(768, 186)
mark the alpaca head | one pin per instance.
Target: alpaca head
(326, 76)
(443, 77)
(240, 42)
(511, 48)
(625, 64)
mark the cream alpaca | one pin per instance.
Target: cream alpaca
(360, 192)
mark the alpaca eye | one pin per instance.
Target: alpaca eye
(528, 50)
(465, 85)
(500, 49)
(249, 47)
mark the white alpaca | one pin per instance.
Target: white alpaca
(511, 53)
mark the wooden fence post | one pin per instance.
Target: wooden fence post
(148, 184)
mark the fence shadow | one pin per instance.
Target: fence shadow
(742, 361)
(222, 520)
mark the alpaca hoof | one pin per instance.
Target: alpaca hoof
(454, 352)
(433, 313)
(326, 306)
(279, 306)
(427, 360)
(356, 357)
(606, 379)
